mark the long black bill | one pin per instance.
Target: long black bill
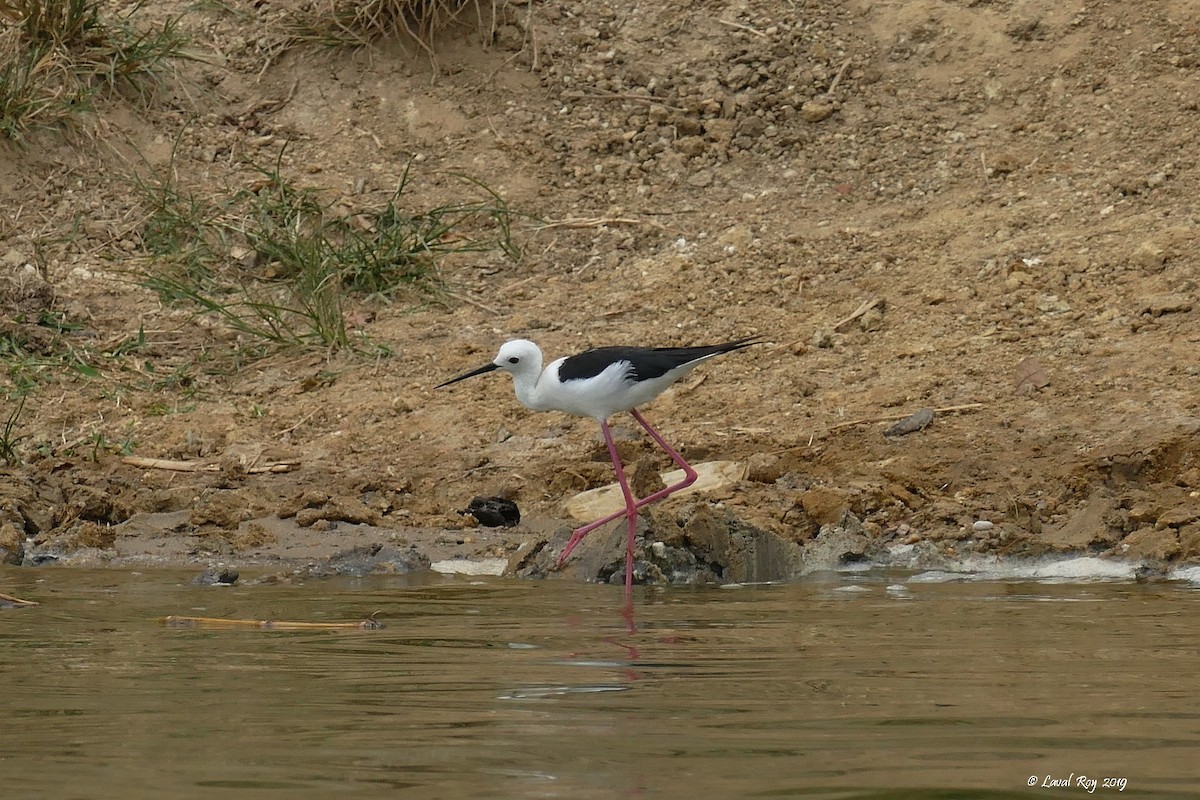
(471, 374)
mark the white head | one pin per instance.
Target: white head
(520, 357)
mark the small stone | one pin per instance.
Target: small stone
(494, 512)
(739, 76)
(1016, 279)
(871, 320)
(1149, 256)
(12, 548)
(981, 525)
(1161, 304)
(1051, 304)
(690, 146)
(688, 126)
(826, 506)
(14, 258)
(216, 576)
(1150, 543)
(914, 422)
(763, 468)
(816, 111)
(1177, 517)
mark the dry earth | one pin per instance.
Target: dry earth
(1013, 181)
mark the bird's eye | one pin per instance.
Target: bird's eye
(514, 360)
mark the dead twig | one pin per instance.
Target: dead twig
(742, 27)
(468, 299)
(858, 312)
(596, 222)
(209, 623)
(637, 98)
(204, 466)
(303, 420)
(8, 601)
(837, 78)
(892, 417)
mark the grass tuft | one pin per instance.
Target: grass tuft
(362, 22)
(9, 440)
(278, 262)
(57, 55)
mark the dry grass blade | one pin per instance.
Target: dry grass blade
(8, 601)
(357, 22)
(200, 466)
(216, 623)
(891, 417)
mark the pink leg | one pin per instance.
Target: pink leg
(689, 477)
(630, 507)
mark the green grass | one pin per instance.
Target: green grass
(279, 263)
(56, 56)
(9, 440)
(28, 362)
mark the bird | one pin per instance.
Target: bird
(600, 383)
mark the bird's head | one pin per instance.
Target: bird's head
(520, 357)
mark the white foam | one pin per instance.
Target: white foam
(942, 569)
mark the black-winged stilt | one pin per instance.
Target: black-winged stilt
(599, 383)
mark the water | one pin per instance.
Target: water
(852, 686)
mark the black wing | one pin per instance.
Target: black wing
(646, 363)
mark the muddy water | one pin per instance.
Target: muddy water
(849, 686)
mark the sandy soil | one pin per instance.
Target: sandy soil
(1011, 182)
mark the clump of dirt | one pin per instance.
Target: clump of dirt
(983, 209)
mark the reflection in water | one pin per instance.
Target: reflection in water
(897, 689)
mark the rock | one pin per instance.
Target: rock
(756, 555)
(1149, 256)
(1160, 304)
(12, 544)
(752, 127)
(914, 422)
(763, 468)
(707, 536)
(1177, 517)
(816, 111)
(223, 509)
(871, 320)
(1087, 526)
(690, 146)
(1151, 543)
(1143, 515)
(719, 130)
(464, 566)
(687, 126)
(837, 545)
(494, 512)
(739, 76)
(217, 576)
(338, 509)
(1189, 542)
(825, 505)
(1050, 304)
(982, 525)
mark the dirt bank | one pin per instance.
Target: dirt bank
(1008, 188)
